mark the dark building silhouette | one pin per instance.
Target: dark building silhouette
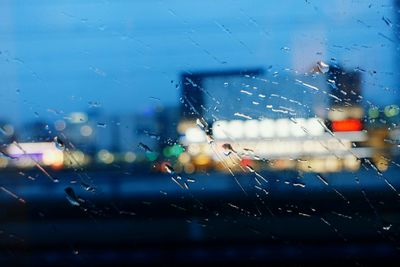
(193, 92)
(346, 87)
(38, 131)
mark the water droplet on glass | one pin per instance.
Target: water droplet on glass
(59, 143)
(228, 149)
(71, 196)
(250, 168)
(145, 147)
(101, 125)
(387, 227)
(169, 169)
(87, 187)
(322, 67)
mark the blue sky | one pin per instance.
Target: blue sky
(60, 55)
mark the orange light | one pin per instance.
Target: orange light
(347, 125)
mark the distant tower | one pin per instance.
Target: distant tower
(346, 87)
(346, 110)
(192, 96)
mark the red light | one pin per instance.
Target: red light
(347, 125)
(245, 162)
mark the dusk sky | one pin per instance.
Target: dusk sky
(61, 55)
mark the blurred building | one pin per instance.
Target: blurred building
(304, 121)
(35, 131)
(346, 102)
(156, 127)
(199, 98)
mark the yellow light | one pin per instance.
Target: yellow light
(178, 167)
(189, 168)
(78, 117)
(75, 158)
(382, 164)
(184, 158)
(105, 156)
(25, 162)
(130, 157)
(351, 163)
(3, 162)
(194, 149)
(332, 164)
(202, 159)
(79, 156)
(53, 157)
(313, 165)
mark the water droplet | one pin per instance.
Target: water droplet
(87, 187)
(169, 169)
(101, 125)
(144, 147)
(387, 21)
(228, 149)
(71, 196)
(151, 135)
(94, 104)
(250, 168)
(322, 67)
(387, 227)
(201, 123)
(59, 143)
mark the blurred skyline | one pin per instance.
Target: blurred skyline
(127, 56)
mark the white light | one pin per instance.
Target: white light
(282, 127)
(309, 146)
(53, 157)
(296, 129)
(220, 129)
(193, 149)
(314, 127)
(78, 117)
(30, 148)
(267, 128)
(195, 135)
(251, 129)
(235, 129)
